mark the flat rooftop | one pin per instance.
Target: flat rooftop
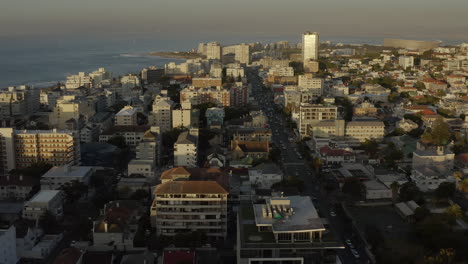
(288, 214)
(67, 171)
(44, 196)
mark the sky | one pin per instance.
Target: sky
(414, 19)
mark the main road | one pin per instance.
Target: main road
(294, 164)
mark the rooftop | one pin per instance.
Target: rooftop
(44, 196)
(190, 187)
(67, 171)
(288, 214)
(186, 138)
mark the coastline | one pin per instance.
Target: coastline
(176, 54)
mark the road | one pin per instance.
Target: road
(293, 163)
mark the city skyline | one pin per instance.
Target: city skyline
(362, 18)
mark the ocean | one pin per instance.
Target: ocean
(41, 61)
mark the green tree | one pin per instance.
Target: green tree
(395, 186)
(74, 190)
(444, 191)
(409, 191)
(275, 154)
(118, 141)
(454, 211)
(317, 164)
(438, 135)
(371, 147)
(36, 170)
(353, 187)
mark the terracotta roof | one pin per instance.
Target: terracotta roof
(68, 256)
(176, 257)
(428, 112)
(462, 158)
(190, 187)
(168, 174)
(417, 107)
(251, 146)
(327, 151)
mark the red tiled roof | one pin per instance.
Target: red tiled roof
(428, 112)
(179, 256)
(462, 157)
(327, 151)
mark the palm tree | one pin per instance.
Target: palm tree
(463, 185)
(395, 188)
(454, 211)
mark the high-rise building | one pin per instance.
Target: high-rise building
(213, 51)
(242, 53)
(162, 113)
(23, 148)
(79, 80)
(186, 149)
(310, 48)
(19, 101)
(151, 74)
(71, 108)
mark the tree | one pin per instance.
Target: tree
(275, 154)
(463, 185)
(445, 191)
(438, 135)
(36, 170)
(454, 211)
(392, 155)
(421, 213)
(409, 191)
(395, 186)
(445, 256)
(74, 190)
(371, 147)
(118, 141)
(317, 164)
(353, 187)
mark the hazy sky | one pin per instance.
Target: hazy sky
(434, 19)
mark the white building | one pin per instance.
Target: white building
(127, 116)
(8, 245)
(265, 175)
(182, 117)
(43, 201)
(406, 61)
(186, 149)
(100, 77)
(310, 48)
(57, 177)
(281, 71)
(79, 80)
(242, 53)
(213, 51)
(162, 113)
(141, 167)
(308, 82)
(310, 114)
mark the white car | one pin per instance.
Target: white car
(355, 253)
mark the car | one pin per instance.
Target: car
(332, 213)
(355, 253)
(348, 242)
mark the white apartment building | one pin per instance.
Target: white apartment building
(182, 117)
(235, 71)
(23, 148)
(213, 51)
(71, 108)
(128, 82)
(354, 132)
(19, 101)
(100, 77)
(265, 175)
(186, 149)
(310, 48)
(79, 80)
(43, 201)
(8, 245)
(281, 71)
(242, 53)
(314, 85)
(141, 167)
(194, 96)
(162, 113)
(310, 114)
(59, 176)
(406, 61)
(127, 116)
(132, 134)
(187, 206)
